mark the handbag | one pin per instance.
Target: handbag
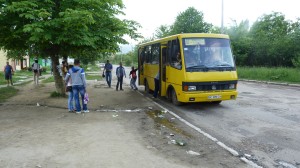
(103, 75)
(69, 89)
(86, 98)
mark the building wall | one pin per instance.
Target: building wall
(16, 64)
(3, 59)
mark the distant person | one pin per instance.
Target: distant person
(64, 68)
(107, 70)
(8, 72)
(120, 72)
(178, 63)
(215, 56)
(36, 71)
(51, 69)
(156, 82)
(133, 77)
(70, 92)
(77, 75)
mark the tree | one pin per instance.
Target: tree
(271, 42)
(58, 28)
(240, 40)
(190, 21)
(162, 31)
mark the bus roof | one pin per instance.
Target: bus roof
(186, 35)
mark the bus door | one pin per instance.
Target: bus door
(163, 69)
(141, 59)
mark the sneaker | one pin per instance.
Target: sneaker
(78, 112)
(86, 111)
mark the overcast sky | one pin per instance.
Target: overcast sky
(153, 13)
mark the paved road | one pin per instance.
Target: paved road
(263, 122)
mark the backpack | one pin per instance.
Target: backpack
(35, 67)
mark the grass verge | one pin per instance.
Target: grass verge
(278, 74)
(7, 92)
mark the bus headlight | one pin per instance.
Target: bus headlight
(231, 86)
(192, 88)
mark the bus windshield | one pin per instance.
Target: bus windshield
(207, 53)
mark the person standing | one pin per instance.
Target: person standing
(133, 76)
(70, 93)
(77, 75)
(120, 72)
(8, 71)
(156, 82)
(36, 71)
(107, 69)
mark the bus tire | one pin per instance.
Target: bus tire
(174, 98)
(147, 90)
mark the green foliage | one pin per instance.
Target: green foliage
(64, 27)
(296, 61)
(190, 21)
(271, 41)
(162, 31)
(55, 28)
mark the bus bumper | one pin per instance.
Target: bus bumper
(207, 96)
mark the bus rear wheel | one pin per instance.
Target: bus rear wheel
(174, 99)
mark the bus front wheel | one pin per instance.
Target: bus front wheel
(174, 99)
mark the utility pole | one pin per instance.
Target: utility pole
(222, 17)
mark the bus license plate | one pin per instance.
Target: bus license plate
(214, 97)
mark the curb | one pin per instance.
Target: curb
(270, 83)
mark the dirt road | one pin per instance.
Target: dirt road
(123, 129)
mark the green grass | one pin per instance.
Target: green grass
(93, 77)
(18, 75)
(48, 80)
(7, 92)
(279, 74)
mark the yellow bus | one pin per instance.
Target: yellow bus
(192, 67)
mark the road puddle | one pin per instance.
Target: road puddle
(161, 120)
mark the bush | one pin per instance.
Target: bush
(296, 61)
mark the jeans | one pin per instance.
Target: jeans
(132, 83)
(156, 81)
(120, 81)
(71, 101)
(76, 90)
(108, 78)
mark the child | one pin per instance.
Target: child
(133, 78)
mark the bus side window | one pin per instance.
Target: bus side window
(169, 53)
(155, 53)
(148, 55)
(174, 56)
